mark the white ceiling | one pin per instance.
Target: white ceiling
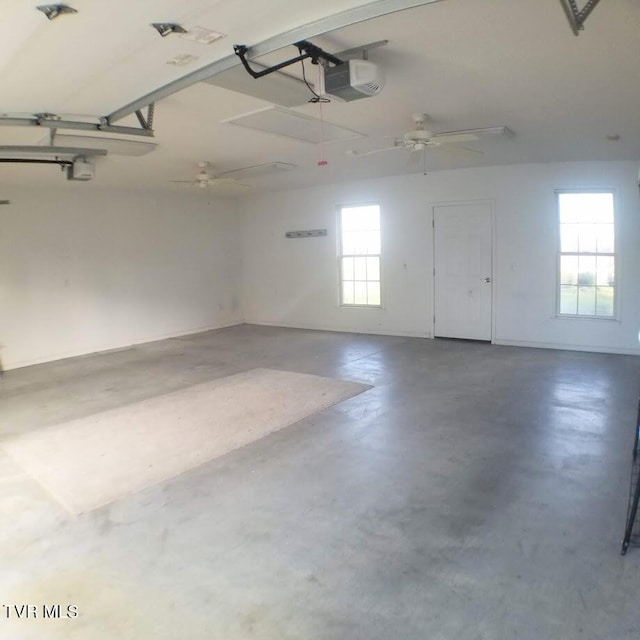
(467, 63)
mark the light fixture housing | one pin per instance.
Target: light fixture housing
(166, 28)
(53, 11)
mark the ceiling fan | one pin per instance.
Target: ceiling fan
(206, 179)
(423, 139)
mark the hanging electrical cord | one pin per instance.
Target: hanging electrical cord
(323, 161)
(316, 97)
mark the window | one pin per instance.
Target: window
(587, 255)
(360, 255)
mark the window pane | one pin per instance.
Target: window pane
(347, 292)
(605, 238)
(347, 268)
(373, 268)
(586, 207)
(349, 242)
(568, 299)
(350, 219)
(569, 237)
(569, 270)
(360, 218)
(361, 244)
(587, 271)
(373, 242)
(605, 275)
(587, 234)
(360, 292)
(587, 301)
(373, 293)
(360, 269)
(604, 301)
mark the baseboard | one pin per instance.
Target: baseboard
(114, 347)
(568, 347)
(339, 329)
(313, 327)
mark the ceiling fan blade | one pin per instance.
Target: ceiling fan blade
(461, 151)
(447, 138)
(227, 182)
(353, 152)
(483, 131)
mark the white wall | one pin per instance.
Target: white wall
(83, 270)
(295, 282)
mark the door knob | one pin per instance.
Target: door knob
(487, 279)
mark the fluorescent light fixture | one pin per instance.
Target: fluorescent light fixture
(291, 124)
(166, 28)
(52, 11)
(202, 35)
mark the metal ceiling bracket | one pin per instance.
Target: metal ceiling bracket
(167, 28)
(577, 16)
(146, 122)
(52, 11)
(306, 49)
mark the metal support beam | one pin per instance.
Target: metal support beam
(146, 122)
(577, 16)
(61, 163)
(36, 121)
(57, 151)
(330, 23)
(306, 49)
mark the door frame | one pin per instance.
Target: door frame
(494, 288)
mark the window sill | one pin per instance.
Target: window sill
(566, 316)
(379, 307)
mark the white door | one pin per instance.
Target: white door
(462, 270)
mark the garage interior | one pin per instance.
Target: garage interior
(449, 247)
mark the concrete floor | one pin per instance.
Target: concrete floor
(476, 493)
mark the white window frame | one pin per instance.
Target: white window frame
(615, 255)
(339, 209)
